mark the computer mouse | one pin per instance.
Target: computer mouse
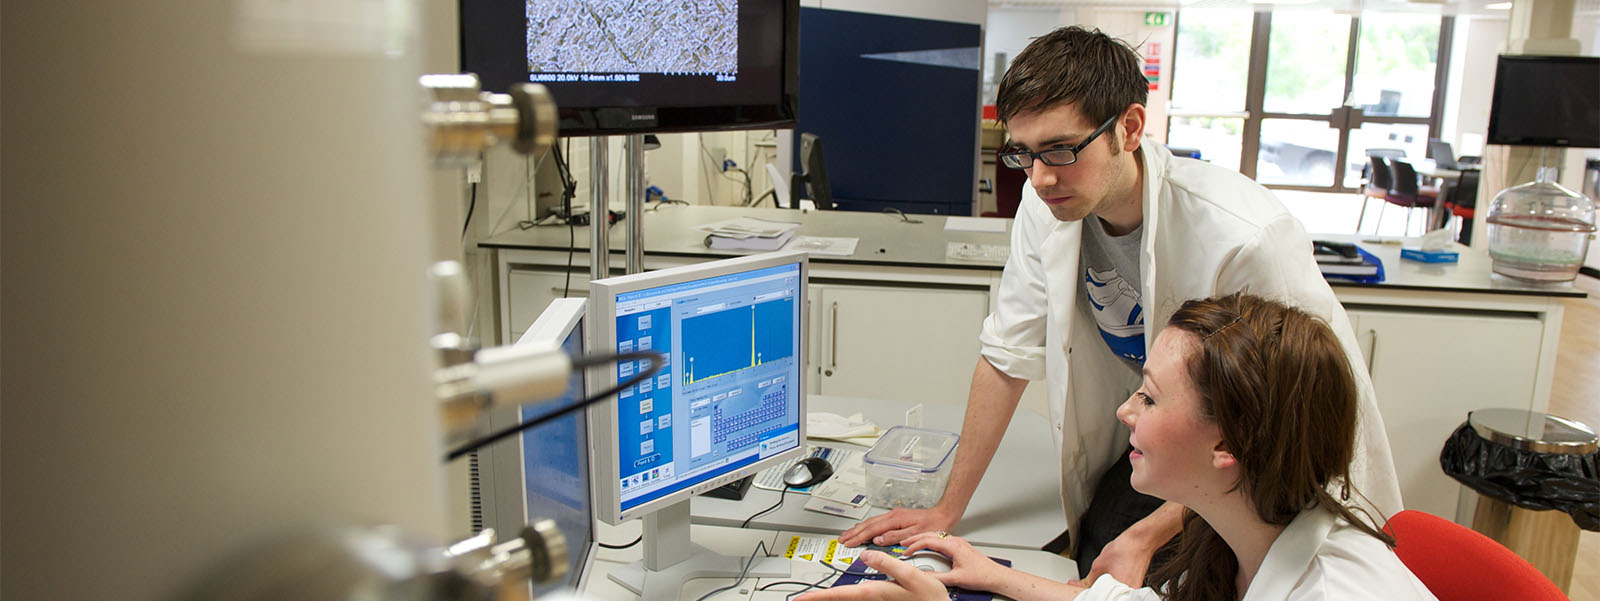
(807, 472)
(930, 561)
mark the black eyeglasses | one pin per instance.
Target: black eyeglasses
(1054, 157)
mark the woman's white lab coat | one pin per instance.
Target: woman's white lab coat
(1318, 557)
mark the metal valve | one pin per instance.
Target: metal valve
(464, 121)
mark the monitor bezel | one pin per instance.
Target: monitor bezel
(603, 438)
(554, 325)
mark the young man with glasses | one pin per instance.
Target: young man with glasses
(1112, 235)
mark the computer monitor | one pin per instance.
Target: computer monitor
(619, 69)
(1443, 155)
(1546, 101)
(544, 473)
(812, 180)
(728, 402)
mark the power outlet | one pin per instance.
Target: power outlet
(718, 156)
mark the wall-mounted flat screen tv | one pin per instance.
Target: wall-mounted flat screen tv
(1546, 101)
(623, 68)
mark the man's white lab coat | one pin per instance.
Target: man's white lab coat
(1207, 231)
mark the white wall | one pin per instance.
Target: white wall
(1009, 30)
(1128, 25)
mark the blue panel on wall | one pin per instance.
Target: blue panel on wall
(895, 103)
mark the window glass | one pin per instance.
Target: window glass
(1218, 139)
(1297, 152)
(1401, 140)
(1306, 62)
(1395, 62)
(1211, 61)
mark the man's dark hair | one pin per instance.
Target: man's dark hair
(1094, 71)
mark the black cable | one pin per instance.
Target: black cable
(472, 203)
(781, 497)
(656, 361)
(635, 542)
(761, 546)
(772, 193)
(569, 188)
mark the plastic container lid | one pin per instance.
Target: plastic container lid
(913, 449)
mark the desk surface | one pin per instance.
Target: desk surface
(1017, 505)
(1471, 274)
(885, 238)
(670, 232)
(597, 586)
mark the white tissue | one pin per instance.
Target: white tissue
(821, 424)
(1436, 240)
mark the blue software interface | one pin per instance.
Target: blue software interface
(728, 394)
(556, 469)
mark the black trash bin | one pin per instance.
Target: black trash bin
(1530, 482)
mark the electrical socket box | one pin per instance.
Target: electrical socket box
(718, 156)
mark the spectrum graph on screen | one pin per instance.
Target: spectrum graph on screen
(728, 393)
(735, 340)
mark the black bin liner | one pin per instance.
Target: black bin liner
(1564, 482)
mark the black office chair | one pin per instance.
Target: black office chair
(1376, 178)
(1405, 190)
(1462, 202)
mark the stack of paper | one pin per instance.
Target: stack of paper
(748, 233)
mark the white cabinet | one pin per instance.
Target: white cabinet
(904, 343)
(529, 292)
(1429, 370)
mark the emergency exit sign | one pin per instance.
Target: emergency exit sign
(1156, 19)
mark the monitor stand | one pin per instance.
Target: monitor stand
(670, 559)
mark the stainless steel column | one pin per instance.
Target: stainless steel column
(634, 219)
(599, 216)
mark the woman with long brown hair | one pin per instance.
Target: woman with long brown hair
(1246, 417)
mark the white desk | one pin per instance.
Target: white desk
(595, 586)
(1017, 505)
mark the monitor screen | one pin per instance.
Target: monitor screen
(616, 69)
(1546, 101)
(546, 475)
(729, 400)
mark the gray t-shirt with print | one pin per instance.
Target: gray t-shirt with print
(1109, 267)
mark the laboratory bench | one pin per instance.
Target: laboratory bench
(899, 319)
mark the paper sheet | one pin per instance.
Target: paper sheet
(819, 245)
(975, 224)
(822, 550)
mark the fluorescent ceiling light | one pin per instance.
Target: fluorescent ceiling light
(1498, 6)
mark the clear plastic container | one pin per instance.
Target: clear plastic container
(1540, 231)
(909, 467)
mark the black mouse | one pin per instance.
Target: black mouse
(807, 472)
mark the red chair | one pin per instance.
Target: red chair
(1459, 564)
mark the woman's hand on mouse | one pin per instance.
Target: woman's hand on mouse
(908, 584)
(970, 568)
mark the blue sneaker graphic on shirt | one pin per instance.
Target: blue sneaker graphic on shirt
(1117, 312)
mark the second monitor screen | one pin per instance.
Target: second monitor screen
(728, 394)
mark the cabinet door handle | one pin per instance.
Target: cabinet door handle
(559, 291)
(833, 338)
(1372, 353)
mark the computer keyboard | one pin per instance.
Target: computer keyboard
(969, 251)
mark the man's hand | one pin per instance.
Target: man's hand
(897, 525)
(1127, 557)
(908, 584)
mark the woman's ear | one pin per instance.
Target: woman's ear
(1221, 458)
